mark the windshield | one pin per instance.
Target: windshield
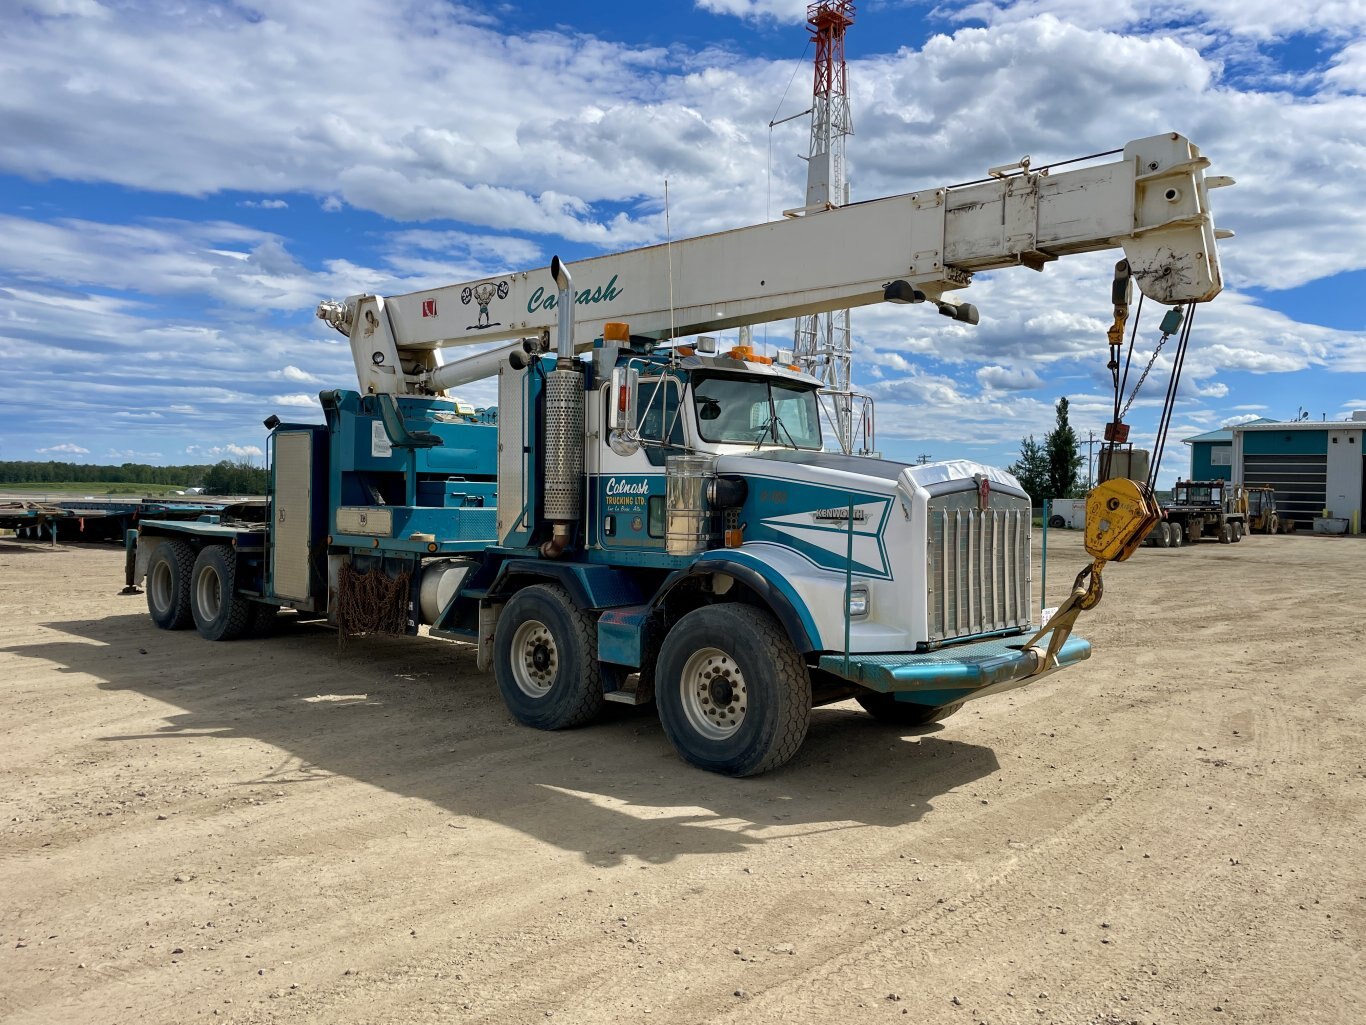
(756, 411)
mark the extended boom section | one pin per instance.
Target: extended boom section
(1152, 203)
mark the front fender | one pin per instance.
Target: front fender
(756, 569)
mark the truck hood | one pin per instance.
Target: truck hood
(863, 473)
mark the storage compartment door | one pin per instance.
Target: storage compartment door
(291, 515)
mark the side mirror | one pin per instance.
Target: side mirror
(621, 395)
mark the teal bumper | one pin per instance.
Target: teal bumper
(950, 674)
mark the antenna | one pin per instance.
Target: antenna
(669, 247)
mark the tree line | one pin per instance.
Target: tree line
(222, 478)
(1051, 469)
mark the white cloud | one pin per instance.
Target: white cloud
(299, 399)
(777, 10)
(994, 378)
(265, 204)
(66, 448)
(292, 373)
(229, 450)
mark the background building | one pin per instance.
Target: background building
(1312, 466)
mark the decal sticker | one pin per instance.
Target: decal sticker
(482, 295)
(380, 448)
(429, 307)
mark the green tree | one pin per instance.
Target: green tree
(1064, 462)
(1032, 470)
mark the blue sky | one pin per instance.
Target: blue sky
(180, 184)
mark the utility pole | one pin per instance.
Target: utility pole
(1090, 444)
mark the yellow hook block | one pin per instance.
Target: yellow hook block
(1119, 514)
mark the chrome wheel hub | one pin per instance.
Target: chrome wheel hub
(714, 695)
(535, 659)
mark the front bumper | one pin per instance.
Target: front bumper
(970, 670)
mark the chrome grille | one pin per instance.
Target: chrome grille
(979, 580)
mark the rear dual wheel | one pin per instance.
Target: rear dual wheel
(220, 614)
(169, 572)
(546, 659)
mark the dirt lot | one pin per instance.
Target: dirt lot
(282, 831)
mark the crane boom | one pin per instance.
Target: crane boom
(1152, 202)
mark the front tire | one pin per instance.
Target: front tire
(886, 708)
(168, 585)
(546, 659)
(733, 695)
(220, 614)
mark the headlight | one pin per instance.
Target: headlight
(859, 602)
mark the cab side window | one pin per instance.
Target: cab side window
(657, 410)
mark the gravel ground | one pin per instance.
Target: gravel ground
(286, 831)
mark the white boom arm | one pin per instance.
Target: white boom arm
(1152, 203)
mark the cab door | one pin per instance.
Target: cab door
(627, 493)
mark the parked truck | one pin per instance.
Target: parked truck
(1208, 509)
(648, 515)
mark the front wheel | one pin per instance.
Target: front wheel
(733, 695)
(546, 659)
(220, 613)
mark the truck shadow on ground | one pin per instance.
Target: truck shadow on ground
(416, 718)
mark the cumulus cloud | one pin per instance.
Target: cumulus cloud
(229, 450)
(66, 448)
(777, 10)
(292, 373)
(996, 378)
(265, 204)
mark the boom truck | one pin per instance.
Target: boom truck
(646, 516)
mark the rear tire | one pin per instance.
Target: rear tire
(168, 585)
(733, 695)
(1225, 533)
(1177, 536)
(545, 658)
(1237, 531)
(1162, 534)
(886, 708)
(220, 614)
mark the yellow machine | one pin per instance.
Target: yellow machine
(1262, 517)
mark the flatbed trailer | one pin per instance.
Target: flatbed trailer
(92, 519)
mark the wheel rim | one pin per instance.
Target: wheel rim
(159, 586)
(535, 658)
(208, 593)
(714, 695)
